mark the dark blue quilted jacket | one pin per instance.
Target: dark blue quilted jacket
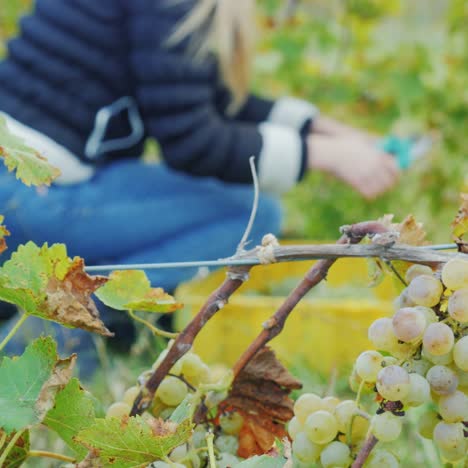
(73, 57)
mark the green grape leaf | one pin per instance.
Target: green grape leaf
(3, 233)
(132, 442)
(30, 166)
(131, 290)
(29, 383)
(19, 453)
(44, 282)
(73, 411)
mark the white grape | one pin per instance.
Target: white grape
(455, 273)
(368, 365)
(198, 436)
(420, 391)
(381, 334)
(386, 426)
(409, 324)
(226, 460)
(380, 458)
(304, 449)
(458, 305)
(294, 427)
(460, 353)
(462, 377)
(438, 339)
(429, 314)
(172, 391)
(393, 383)
(231, 423)
(130, 395)
(454, 407)
(448, 435)
(321, 427)
(191, 365)
(306, 404)
(417, 270)
(427, 422)
(425, 290)
(442, 380)
(403, 300)
(336, 454)
(118, 409)
(329, 403)
(227, 443)
(344, 413)
(179, 453)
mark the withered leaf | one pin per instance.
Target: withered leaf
(69, 300)
(261, 394)
(460, 225)
(3, 233)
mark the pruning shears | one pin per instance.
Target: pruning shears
(406, 150)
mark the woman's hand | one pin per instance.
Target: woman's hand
(327, 126)
(355, 161)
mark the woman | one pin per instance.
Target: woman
(87, 82)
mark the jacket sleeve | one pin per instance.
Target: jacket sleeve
(177, 97)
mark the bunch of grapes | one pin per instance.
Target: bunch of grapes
(183, 381)
(426, 359)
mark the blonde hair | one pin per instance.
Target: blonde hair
(227, 28)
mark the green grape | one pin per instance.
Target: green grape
(130, 395)
(456, 453)
(227, 443)
(458, 305)
(409, 324)
(381, 334)
(172, 391)
(203, 376)
(166, 412)
(438, 339)
(427, 422)
(343, 414)
(329, 403)
(198, 436)
(380, 458)
(214, 398)
(226, 460)
(418, 366)
(179, 453)
(118, 409)
(442, 380)
(460, 354)
(192, 365)
(231, 423)
(417, 270)
(368, 365)
(425, 290)
(455, 273)
(304, 449)
(393, 383)
(454, 407)
(420, 391)
(448, 435)
(294, 427)
(321, 427)
(336, 455)
(306, 404)
(441, 360)
(386, 426)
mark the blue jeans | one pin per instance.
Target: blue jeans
(132, 212)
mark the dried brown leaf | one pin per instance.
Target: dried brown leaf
(261, 394)
(460, 224)
(69, 300)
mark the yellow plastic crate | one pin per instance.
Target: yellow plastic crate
(327, 333)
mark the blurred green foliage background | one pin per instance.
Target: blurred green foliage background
(388, 66)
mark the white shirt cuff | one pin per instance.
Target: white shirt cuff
(292, 112)
(280, 160)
